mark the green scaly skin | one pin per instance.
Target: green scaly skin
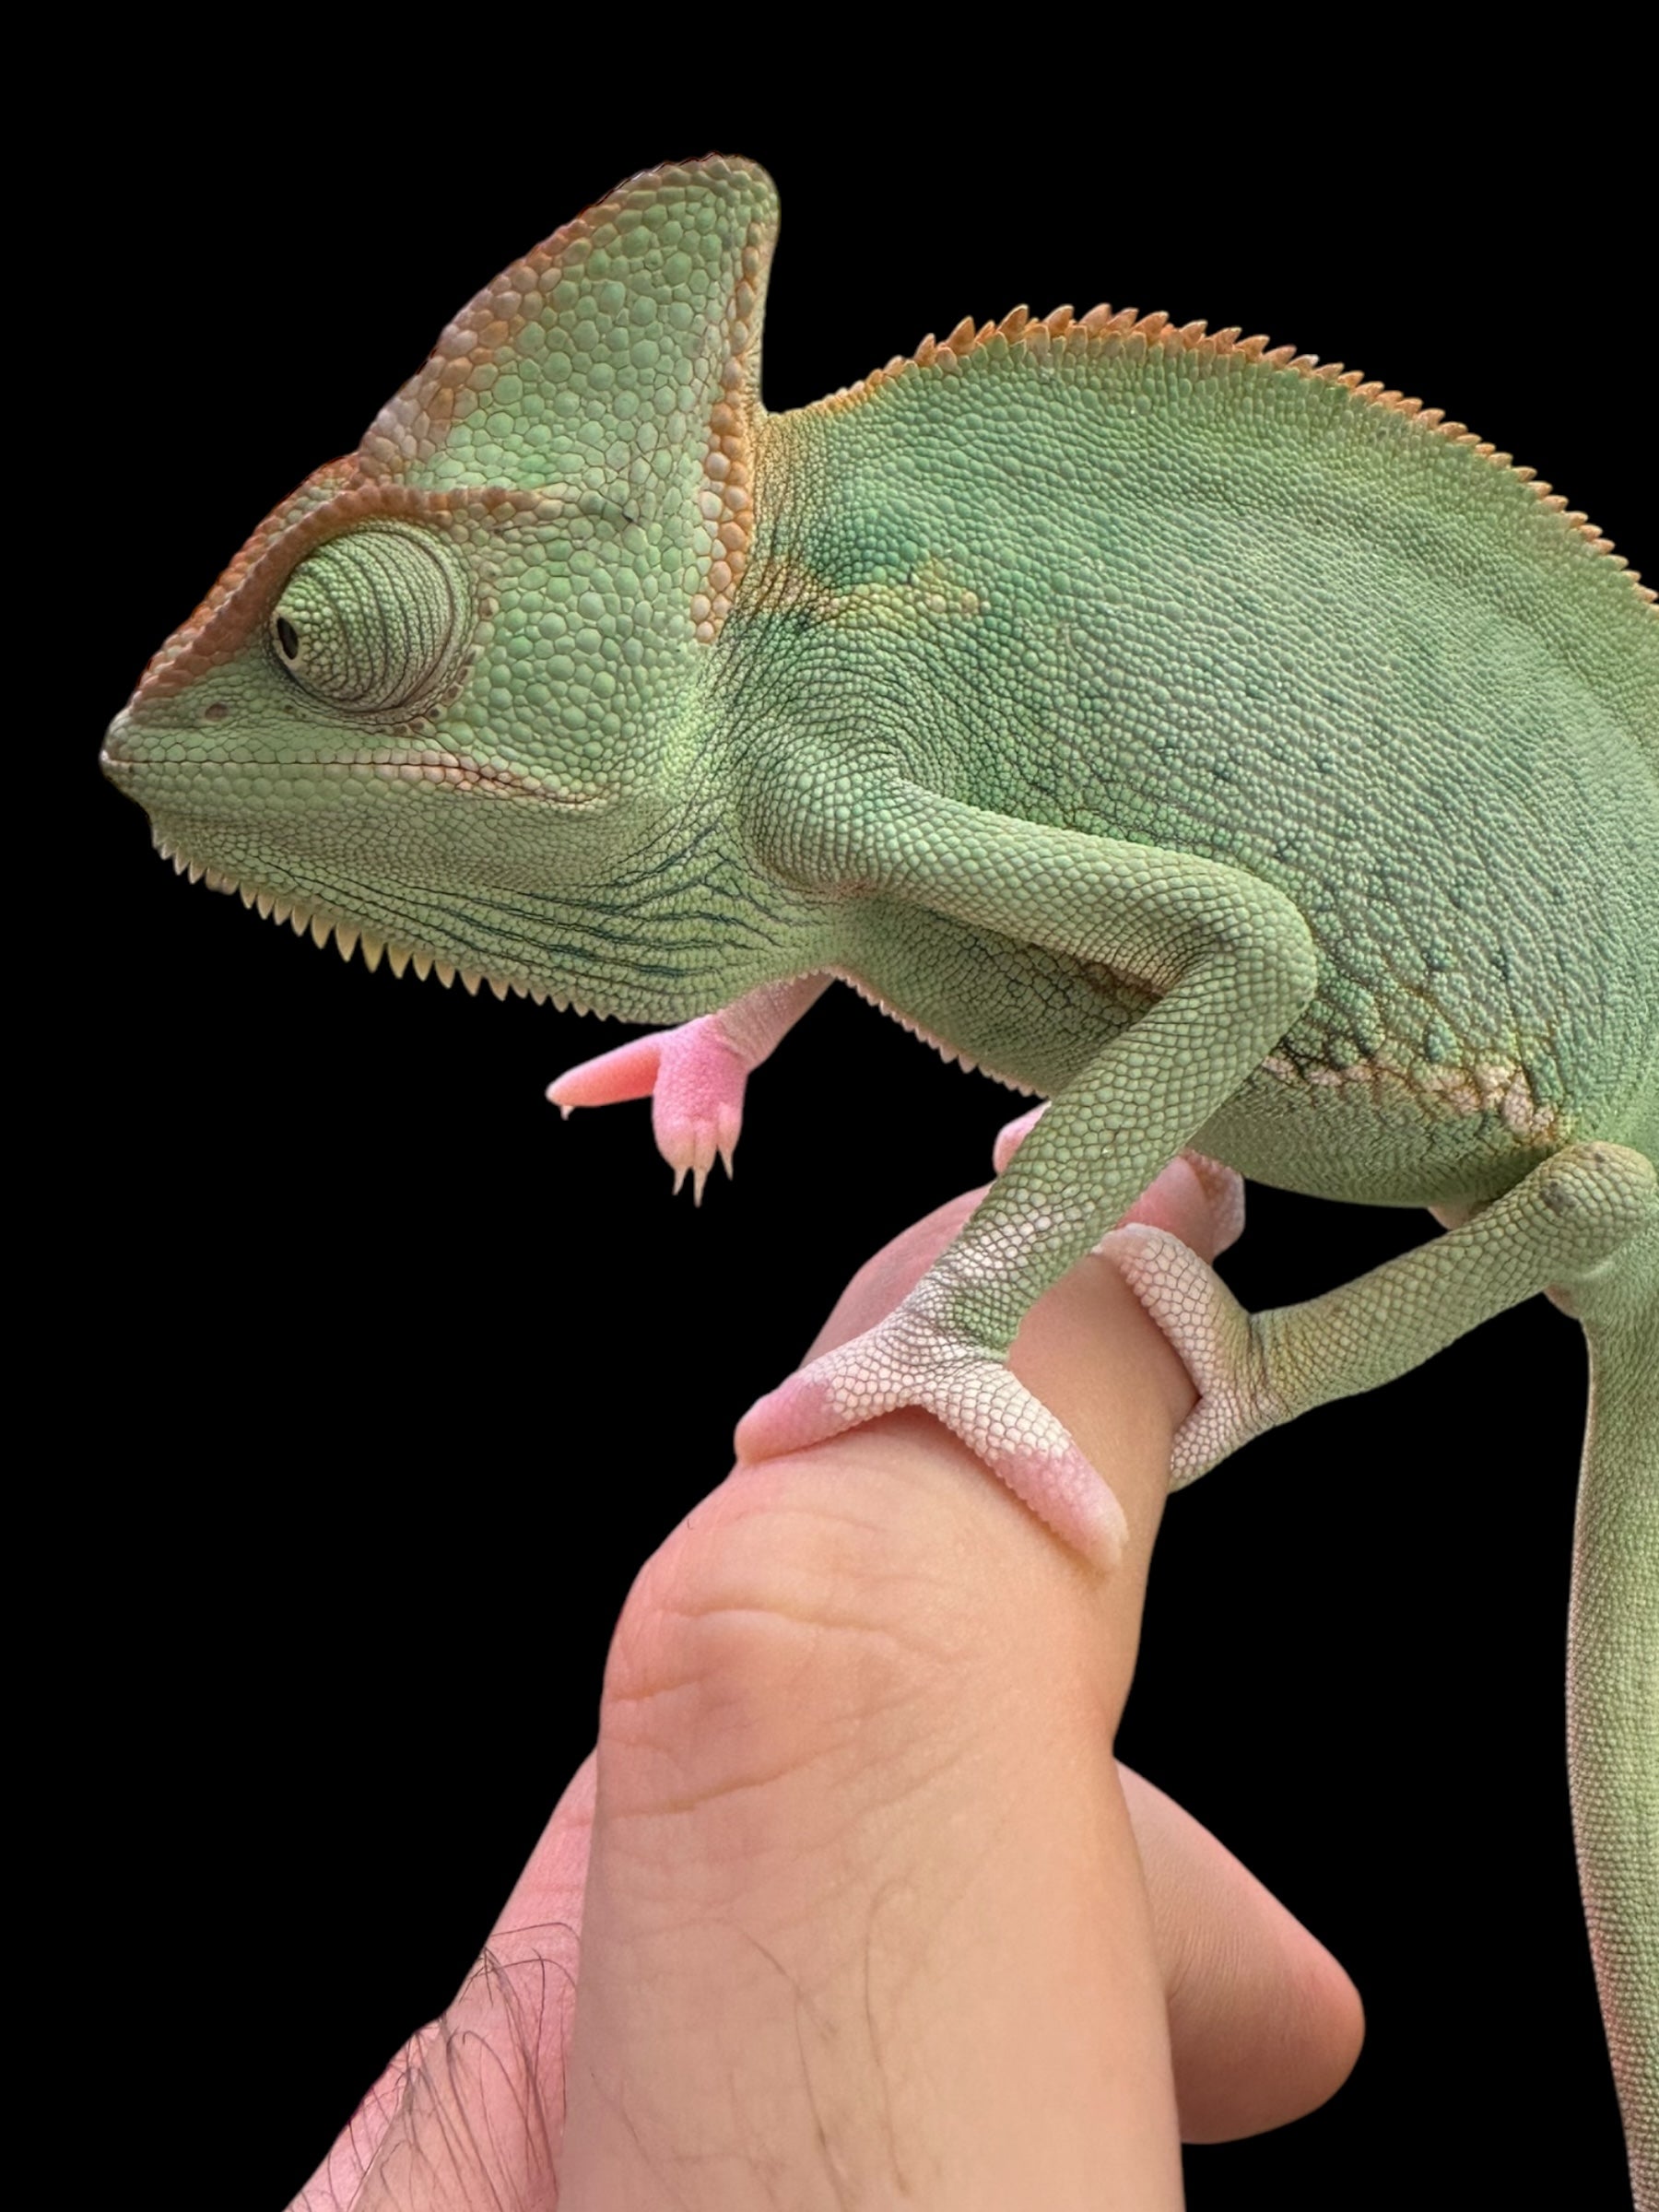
(1233, 754)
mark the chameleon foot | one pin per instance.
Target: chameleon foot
(694, 1075)
(915, 1357)
(1556, 1229)
(694, 1080)
(1218, 1342)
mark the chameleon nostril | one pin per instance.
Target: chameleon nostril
(215, 712)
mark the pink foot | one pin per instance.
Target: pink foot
(1217, 1341)
(695, 1082)
(914, 1357)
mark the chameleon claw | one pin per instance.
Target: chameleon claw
(729, 1123)
(695, 1082)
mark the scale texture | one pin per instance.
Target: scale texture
(1231, 752)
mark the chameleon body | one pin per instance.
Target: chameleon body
(1234, 753)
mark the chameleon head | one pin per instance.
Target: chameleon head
(454, 681)
(419, 716)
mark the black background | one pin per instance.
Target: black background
(385, 1383)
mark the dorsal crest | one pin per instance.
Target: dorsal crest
(1104, 329)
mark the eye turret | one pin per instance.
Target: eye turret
(374, 623)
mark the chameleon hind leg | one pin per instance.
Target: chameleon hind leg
(1256, 1370)
(1584, 1225)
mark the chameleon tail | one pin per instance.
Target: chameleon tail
(1613, 1685)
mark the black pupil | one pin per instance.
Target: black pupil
(287, 637)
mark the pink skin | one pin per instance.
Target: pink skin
(1261, 2023)
(695, 1089)
(694, 1075)
(695, 1083)
(915, 1357)
(911, 1359)
(455, 2099)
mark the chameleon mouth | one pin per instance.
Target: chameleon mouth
(437, 766)
(320, 926)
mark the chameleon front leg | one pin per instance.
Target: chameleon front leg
(1223, 1187)
(1256, 1371)
(1232, 964)
(694, 1075)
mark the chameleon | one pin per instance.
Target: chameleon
(1227, 751)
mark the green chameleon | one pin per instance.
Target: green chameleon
(1232, 752)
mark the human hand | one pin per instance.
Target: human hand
(855, 1904)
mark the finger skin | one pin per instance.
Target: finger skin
(1265, 2025)
(864, 1907)
(471, 2112)
(1264, 2022)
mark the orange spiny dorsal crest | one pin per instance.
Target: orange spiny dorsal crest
(1102, 330)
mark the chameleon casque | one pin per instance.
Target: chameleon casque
(1232, 752)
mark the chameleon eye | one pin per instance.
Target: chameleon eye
(372, 623)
